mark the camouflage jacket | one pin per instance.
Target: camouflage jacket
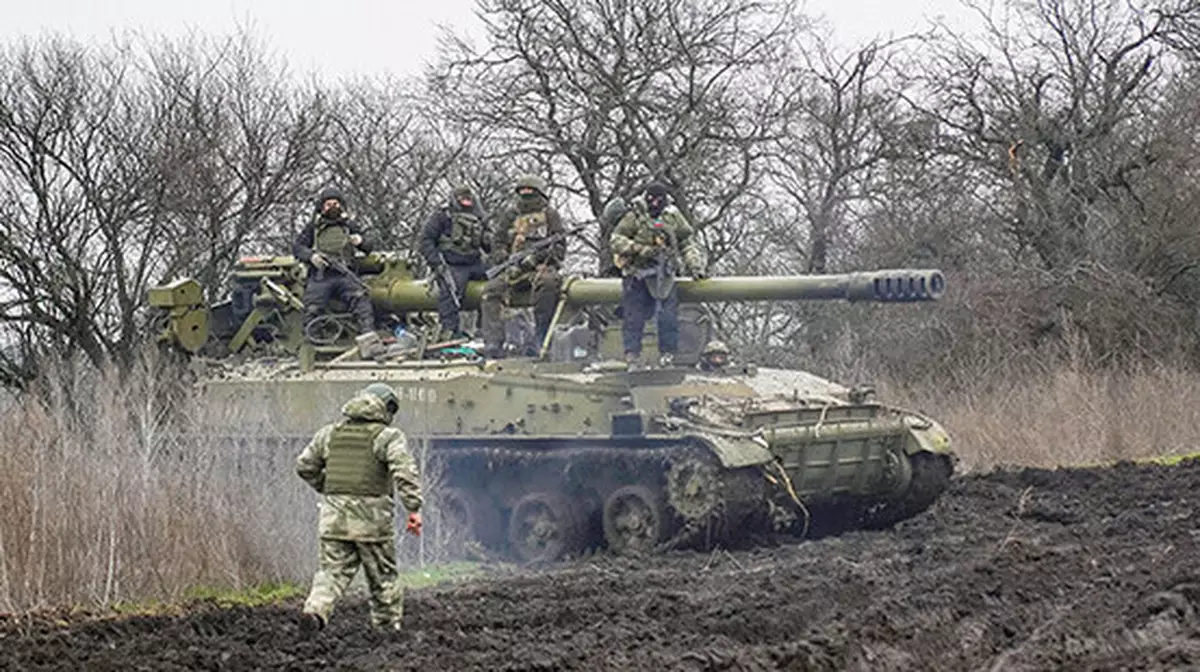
(638, 238)
(352, 517)
(516, 228)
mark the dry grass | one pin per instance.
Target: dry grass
(1071, 415)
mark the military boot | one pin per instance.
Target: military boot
(311, 624)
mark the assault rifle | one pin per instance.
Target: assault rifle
(341, 267)
(448, 283)
(516, 258)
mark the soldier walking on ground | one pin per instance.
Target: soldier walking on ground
(528, 220)
(649, 244)
(453, 242)
(357, 464)
(332, 236)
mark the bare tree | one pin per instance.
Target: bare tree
(843, 138)
(1047, 107)
(127, 165)
(394, 159)
(238, 155)
(75, 255)
(1062, 139)
(606, 94)
(845, 124)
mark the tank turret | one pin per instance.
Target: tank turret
(543, 456)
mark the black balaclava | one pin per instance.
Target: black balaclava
(325, 195)
(656, 198)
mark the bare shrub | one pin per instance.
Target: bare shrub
(108, 497)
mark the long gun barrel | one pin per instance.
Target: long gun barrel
(885, 286)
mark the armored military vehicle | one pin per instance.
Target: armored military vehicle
(563, 446)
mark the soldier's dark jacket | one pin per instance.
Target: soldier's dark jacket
(459, 235)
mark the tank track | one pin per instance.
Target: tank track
(728, 499)
(930, 478)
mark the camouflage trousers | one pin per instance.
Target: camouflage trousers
(543, 286)
(340, 561)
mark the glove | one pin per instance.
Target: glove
(319, 260)
(641, 250)
(414, 524)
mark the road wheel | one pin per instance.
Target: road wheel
(693, 488)
(545, 526)
(635, 520)
(462, 519)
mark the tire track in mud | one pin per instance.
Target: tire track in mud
(1014, 570)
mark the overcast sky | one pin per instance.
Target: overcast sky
(339, 37)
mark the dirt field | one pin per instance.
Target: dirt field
(1011, 571)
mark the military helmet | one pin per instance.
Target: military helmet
(328, 193)
(384, 393)
(715, 347)
(459, 192)
(534, 182)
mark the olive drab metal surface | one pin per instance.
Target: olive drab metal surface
(569, 448)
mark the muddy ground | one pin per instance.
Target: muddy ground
(1023, 570)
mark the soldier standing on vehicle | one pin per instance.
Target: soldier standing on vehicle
(357, 464)
(649, 244)
(453, 242)
(527, 220)
(330, 240)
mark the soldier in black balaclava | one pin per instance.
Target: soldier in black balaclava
(651, 242)
(331, 234)
(453, 242)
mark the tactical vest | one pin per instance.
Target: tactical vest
(351, 467)
(465, 236)
(332, 239)
(655, 232)
(529, 227)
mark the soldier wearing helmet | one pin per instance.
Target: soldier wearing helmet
(358, 464)
(331, 234)
(454, 239)
(650, 244)
(714, 357)
(527, 220)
